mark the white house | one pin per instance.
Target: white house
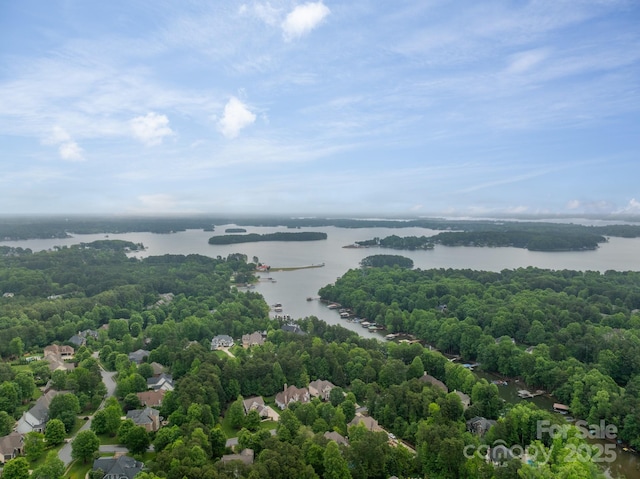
(221, 341)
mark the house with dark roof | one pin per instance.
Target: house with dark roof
(480, 425)
(426, 378)
(11, 445)
(138, 356)
(122, 467)
(293, 328)
(163, 381)
(35, 419)
(77, 341)
(291, 394)
(148, 418)
(221, 341)
(320, 389)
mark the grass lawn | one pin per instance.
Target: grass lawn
(231, 432)
(78, 470)
(221, 354)
(107, 440)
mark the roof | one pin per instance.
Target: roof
(156, 382)
(464, 398)
(138, 355)
(292, 394)
(245, 456)
(152, 398)
(370, 423)
(252, 403)
(77, 340)
(10, 443)
(143, 416)
(40, 409)
(121, 467)
(337, 437)
(436, 382)
(157, 368)
(293, 328)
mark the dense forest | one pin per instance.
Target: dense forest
(531, 240)
(172, 305)
(254, 237)
(504, 232)
(574, 334)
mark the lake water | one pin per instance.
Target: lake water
(292, 288)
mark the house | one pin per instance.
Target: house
(464, 399)
(246, 456)
(164, 381)
(426, 378)
(148, 418)
(138, 356)
(64, 352)
(254, 339)
(158, 368)
(320, 388)
(56, 363)
(368, 422)
(257, 403)
(293, 328)
(35, 419)
(122, 467)
(78, 341)
(11, 446)
(152, 398)
(291, 394)
(337, 437)
(221, 341)
(480, 425)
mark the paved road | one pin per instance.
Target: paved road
(109, 382)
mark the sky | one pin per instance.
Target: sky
(371, 107)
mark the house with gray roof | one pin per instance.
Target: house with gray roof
(163, 381)
(138, 356)
(122, 467)
(11, 445)
(35, 419)
(148, 418)
(221, 341)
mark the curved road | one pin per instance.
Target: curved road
(107, 378)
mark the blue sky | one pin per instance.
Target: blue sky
(359, 107)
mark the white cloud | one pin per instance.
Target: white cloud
(304, 18)
(573, 205)
(264, 11)
(68, 149)
(633, 207)
(525, 61)
(151, 128)
(236, 117)
(159, 202)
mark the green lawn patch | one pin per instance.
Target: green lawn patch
(107, 440)
(78, 470)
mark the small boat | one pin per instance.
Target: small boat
(309, 298)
